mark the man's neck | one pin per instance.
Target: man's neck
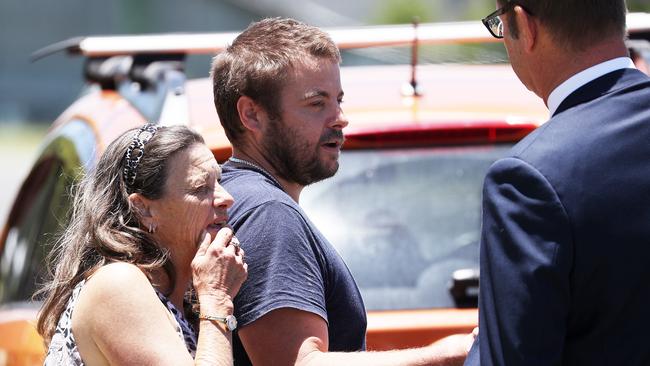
(559, 69)
(257, 158)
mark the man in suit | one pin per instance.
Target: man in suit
(565, 247)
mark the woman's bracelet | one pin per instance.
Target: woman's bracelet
(230, 321)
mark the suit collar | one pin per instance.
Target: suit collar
(605, 84)
(583, 77)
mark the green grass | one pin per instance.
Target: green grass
(23, 137)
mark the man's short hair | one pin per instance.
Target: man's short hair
(575, 24)
(256, 65)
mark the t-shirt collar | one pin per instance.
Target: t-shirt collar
(570, 85)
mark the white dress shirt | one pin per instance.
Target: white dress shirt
(571, 84)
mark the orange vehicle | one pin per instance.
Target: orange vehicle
(403, 210)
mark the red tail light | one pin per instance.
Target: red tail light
(436, 134)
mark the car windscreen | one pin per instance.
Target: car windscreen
(404, 220)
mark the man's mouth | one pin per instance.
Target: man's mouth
(333, 144)
(332, 139)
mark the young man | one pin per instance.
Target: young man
(278, 94)
(566, 233)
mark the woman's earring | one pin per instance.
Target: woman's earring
(152, 228)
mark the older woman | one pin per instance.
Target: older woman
(148, 221)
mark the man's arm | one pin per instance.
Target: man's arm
(282, 305)
(293, 337)
(526, 259)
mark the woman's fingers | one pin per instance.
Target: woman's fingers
(219, 265)
(224, 236)
(234, 242)
(240, 254)
(204, 243)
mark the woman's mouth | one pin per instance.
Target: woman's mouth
(217, 225)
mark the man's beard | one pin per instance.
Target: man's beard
(294, 160)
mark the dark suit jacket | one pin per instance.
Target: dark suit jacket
(565, 247)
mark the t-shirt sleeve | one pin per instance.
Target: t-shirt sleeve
(284, 263)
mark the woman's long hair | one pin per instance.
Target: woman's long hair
(104, 227)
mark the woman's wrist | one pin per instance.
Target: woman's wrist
(214, 304)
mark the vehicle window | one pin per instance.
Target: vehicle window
(404, 220)
(42, 209)
(46, 209)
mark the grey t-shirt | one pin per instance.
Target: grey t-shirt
(290, 263)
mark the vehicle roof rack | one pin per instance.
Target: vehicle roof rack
(210, 43)
(345, 38)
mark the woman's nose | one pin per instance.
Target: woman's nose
(222, 199)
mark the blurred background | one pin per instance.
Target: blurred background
(33, 94)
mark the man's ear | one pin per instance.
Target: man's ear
(528, 28)
(142, 209)
(250, 113)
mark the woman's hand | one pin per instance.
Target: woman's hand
(218, 268)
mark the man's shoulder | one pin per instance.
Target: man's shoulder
(568, 148)
(257, 198)
(251, 188)
(615, 93)
(590, 114)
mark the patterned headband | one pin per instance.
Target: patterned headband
(135, 152)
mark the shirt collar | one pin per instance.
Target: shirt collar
(570, 85)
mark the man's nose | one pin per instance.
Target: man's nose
(341, 121)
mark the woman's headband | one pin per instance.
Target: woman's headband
(136, 150)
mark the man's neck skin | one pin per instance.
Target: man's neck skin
(253, 154)
(551, 64)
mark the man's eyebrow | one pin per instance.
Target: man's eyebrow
(315, 93)
(318, 93)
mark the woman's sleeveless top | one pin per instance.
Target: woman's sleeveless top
(63, 347)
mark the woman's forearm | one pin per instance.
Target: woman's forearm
(214, 346)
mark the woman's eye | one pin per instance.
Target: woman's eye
(202, 189)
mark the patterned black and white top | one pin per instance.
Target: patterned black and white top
(63, 347)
